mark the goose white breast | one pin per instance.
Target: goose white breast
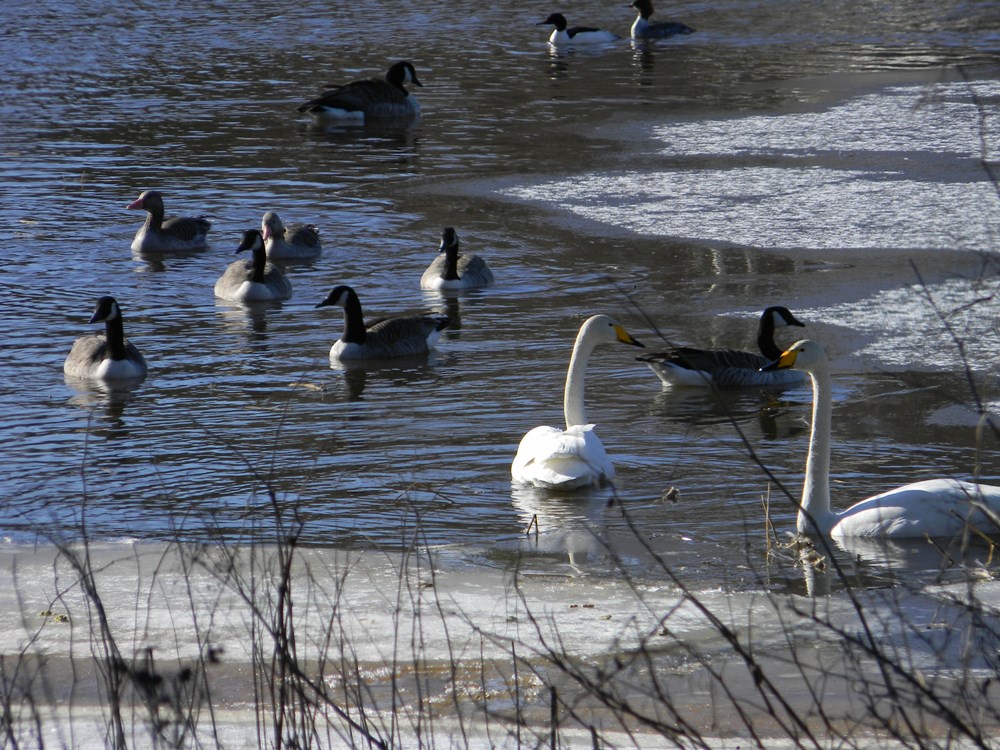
(172, 235)
(572, 458)
(254, 280)
(934, 507)
(370, 98)
(454, 270)
(108, 357)
(728, 368)
(386, 338)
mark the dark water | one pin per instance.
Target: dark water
(810, 154)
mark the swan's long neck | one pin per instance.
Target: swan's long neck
(574, 406)
(815, 515)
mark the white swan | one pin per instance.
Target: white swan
(568, 459)
(728, 368)
(451, 271)
(110, 357)
(935, 507)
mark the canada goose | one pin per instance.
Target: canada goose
(108, 357)
(934, 507)
(253, 280)
(383, 338)
(569, 459)
(643, 28)
(159, 236)
(370, 98)
(562, 35)
(294, 242)
(453, 271)
(728, 368)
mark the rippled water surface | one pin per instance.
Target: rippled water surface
(824, 159)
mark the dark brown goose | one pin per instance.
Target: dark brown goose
(292, 242)
(728, 368)
(108, 356)
(384, 338)
(453, 270)
(172, 235)
(370, 98)
(253, 280)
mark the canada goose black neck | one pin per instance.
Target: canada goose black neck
(449, 246)
(400, 73)
(765, 331)
(114, 331)
(252, 240)
(343, 296)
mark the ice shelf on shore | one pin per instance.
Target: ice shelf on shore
(400, 638)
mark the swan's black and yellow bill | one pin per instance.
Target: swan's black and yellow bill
(785, 362)
(626, 338)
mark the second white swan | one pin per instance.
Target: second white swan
(934, 507)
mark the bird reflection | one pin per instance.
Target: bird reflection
(155, 262)
(105, 401)
(564, 525)
(918, 556)
(150, 262)
(700, 406)
(446, 303)
(863, 562)
(777, 421)
(558, 63)
(643, 57)
(398, 372)
(355, 378)
(247, 319)
(382, 134)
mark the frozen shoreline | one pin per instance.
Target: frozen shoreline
(434, 642)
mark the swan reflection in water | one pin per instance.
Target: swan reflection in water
(570, 526)
(872, 563)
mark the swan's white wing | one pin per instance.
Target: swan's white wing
(562, 459)
(936, 507)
